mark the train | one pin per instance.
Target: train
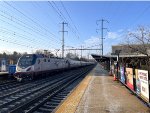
(30, 66)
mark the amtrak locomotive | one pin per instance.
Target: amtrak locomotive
(33, 65)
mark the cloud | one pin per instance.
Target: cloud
(115, 35)
(112, 35)
(111, 38)
(93, 40)
(120, 30)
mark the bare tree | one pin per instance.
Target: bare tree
(72, 56)
(39, 51)
(139, 42)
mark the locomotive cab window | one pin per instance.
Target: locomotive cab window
(26, 61)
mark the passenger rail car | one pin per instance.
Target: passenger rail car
(33, 65)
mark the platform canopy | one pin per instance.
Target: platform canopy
(100, 58)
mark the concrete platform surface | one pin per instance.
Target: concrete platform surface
(102, 95)
(3, 73)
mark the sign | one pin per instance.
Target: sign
(138, 84)
(129, 75)
(143, 78)
(122, 74)
(3, 65)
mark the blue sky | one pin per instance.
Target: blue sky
(27, 26)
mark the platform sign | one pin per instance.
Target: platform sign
(129, 76)
(3, 65)
(122, 74)
(138, 84)
(143, 77)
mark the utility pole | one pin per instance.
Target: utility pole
(63, 31)
(102, 30)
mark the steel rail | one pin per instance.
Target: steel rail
(51, 92)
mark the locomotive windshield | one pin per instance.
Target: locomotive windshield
(26, 60)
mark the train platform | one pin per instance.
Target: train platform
(3, 73)
(98, 93)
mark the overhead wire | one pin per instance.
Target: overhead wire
(140, 15)
(23, 24)
(29, 18)
(9, 23)
(61, 15)
(21, 41)
(36, 5)
(69, 17)
(19, 28)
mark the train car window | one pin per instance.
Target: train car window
(48, 60)
(44, 60)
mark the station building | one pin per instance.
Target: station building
(128, 56)
(136, 56)
(131, 66)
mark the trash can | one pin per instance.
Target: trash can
(12, 69)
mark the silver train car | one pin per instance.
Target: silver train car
(33, 65)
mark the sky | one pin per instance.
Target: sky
(31, 25)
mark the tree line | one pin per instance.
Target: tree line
(11, 57)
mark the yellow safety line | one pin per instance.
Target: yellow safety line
(71, 103)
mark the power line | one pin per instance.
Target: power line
(69, 16)
(61, 15)
(83, 49)
(15, 42)
(55, 10)
(37, 5)
(8, 31)
(19, 22)
(140, 15)
(13, 33)
(29, 18)
(19, 28)
(22, 25)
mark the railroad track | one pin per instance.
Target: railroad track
(20, 87)
(10, 85)
(14, 86)
(3, 82)
(10, 100)
(52, 102)
(34, 95)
